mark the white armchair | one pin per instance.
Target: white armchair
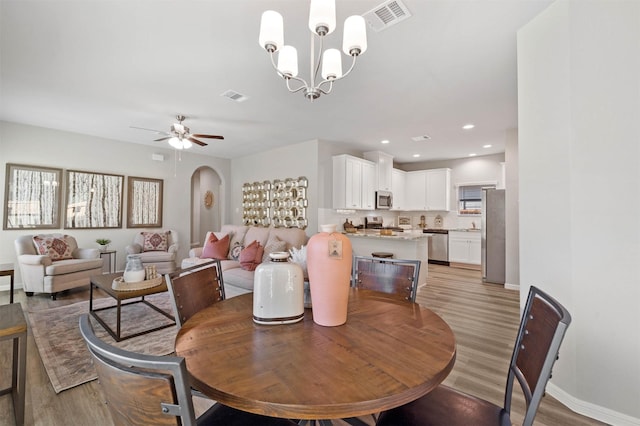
(158, 248)
(53, 263)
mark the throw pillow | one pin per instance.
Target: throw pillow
(236, 244)
(55, 248)
(251, 256)
(215, 248)
(273, 245)
(155, 241)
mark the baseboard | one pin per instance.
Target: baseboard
(7, 286)
(465, 266)
(591, 410)
(512, 286)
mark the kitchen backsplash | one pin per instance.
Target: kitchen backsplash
(450, 220)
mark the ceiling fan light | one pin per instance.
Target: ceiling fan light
(175, 142)
(288, 61)
(331, 64)
(271, 31)
(322, 16)
(354, 41)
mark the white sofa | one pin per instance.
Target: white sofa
(41, 274)
(236, 279)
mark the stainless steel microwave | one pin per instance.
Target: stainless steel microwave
(384, 200)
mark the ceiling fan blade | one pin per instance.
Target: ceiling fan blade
(162, 139)
(196, 141)
(209, 136)
(150, 130)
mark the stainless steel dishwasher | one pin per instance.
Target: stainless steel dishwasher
(438, 246)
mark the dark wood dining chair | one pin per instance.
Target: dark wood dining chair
(154, 390)
(195, 288)
(544, 323)
(398, 278)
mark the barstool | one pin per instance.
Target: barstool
(13, 326)
(382, 254)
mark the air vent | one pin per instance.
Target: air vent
(421, 138)
(387, 14)
(234, 96)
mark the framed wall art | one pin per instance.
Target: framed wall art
(32, 197)
(144, 202)
(94, 200)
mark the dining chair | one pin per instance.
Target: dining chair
(398, 278)
(154, 390)
(542, 328)
(195, 288)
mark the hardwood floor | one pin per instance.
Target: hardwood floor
(484, 318)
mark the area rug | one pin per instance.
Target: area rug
(64, 353)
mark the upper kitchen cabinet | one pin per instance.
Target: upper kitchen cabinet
(384, 168)
(353, 183)
(438, 184)
(398, 188)
(428, 190)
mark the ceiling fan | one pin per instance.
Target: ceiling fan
(180, 137)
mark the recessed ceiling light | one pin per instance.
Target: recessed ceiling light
(468, 126)
(486, 146)
(473, 154)
(416, 155)
(386, 141)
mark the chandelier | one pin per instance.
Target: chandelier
(322, 21)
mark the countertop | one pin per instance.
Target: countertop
(406, 235)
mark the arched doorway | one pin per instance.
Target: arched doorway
(206, 204)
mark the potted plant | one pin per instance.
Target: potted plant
(104, 243)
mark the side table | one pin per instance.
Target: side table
(7, 269)
(110, 255)
(14, 326)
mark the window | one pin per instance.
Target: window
(470, 199)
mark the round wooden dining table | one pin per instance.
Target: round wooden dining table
(388, 353)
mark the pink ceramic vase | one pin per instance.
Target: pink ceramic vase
(329, 269)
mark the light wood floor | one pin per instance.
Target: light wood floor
(484, 318)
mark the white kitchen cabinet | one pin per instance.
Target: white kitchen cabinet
(429, 190)
(464, 247)
(368, 194)
(438, 189)
(398, 188)
(353, 185)
(416, 190)
(383, 167)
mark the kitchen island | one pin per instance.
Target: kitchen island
(410, 245)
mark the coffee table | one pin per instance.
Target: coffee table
(103, 282)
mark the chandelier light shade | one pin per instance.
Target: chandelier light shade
(331, 64)
(322, 16)
(271, 31)
(355, 36)
(322, 21)
(288, 61)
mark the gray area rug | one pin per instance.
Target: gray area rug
(64, 353)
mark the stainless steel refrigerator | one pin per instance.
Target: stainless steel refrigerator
(493, 236)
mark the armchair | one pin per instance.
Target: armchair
(158, 248)
(51, 263)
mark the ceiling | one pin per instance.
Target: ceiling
(99, 67)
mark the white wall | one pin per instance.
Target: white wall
(30, 145)
(579, 155)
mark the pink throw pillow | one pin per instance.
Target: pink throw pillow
(251, 256)
(215, 248)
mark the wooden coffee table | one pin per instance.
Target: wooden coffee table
(103, 282)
